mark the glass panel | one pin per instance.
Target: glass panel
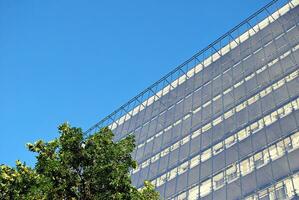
(231, 173)
(230, 141)
(295, 140)
(171, 174)
(273, 152)
(206, 155)
(218, 181)
(183, 167)
(195, 161)
(205, 188)
(245, 167)
(259, 160)
(193, 193)
(217, 148)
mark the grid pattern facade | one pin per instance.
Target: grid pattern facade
(225, 124)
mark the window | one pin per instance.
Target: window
(229, 114)
(195, 161)
(243, 134)
(296, 182)
(227, 91)
(259, 160)
(288, 186)
(175, 146)
(254, 127)
(295, 105)
(182, 196)
(183, 167)
(238, 84)
(281, 112)
(263, 195)
(217, 97)
(217, 121)
(288, 144)
(185, 140)
(155, 158)
(280, 148)
(230, 141)
(171, 174)
(206, 127)
(261, 69)
(253, 99)
(266, 156)
(218, 181)
(240, 107)
(295, 140)
(273, 152)
(206, 155)
(217, 148)
(146, 163)
(161, 180)
(245, 167)
(231, 173)
(165, 152)
(268, 120)
(193, 193)
(274, 116)
(206, 104)
(288, 108)
(278, 84)
(261, 123)
(153, 182)
(281, 192)
(205, 188)
(196, 133)
(265, 92)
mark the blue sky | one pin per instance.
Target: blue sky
(77, 61)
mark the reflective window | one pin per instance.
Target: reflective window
(258, 160)
(218, 180)
(232, 173)
(171, 174)
(245, 167)
(295, 140)
(195, 161)
(182, 196)
(244, 133)
(218, 148)
(206, 155)
(183, 167)
(273, 152)
(205, 188)
(193, 193)
(230, 141)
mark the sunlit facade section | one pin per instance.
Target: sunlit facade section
(225, 123)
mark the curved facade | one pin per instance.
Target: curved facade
(224, 124)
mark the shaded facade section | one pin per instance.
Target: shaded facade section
(229, 129)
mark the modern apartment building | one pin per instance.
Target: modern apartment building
(224, 124)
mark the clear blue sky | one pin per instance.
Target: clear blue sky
(77, 61)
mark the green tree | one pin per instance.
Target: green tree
(76, 167)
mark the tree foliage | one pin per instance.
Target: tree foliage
(76, 167)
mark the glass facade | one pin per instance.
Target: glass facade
(224, 124)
